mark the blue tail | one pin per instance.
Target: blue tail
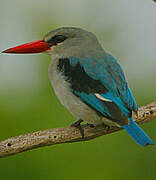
(137, 133)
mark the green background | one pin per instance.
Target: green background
(28, 103)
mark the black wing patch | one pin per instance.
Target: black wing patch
(79, 79)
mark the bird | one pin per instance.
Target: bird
(87, 80)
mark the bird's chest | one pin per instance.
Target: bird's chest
(62, 87)
(60, 84)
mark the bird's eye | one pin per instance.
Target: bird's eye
(57, 39)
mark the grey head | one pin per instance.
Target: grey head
(72, 41)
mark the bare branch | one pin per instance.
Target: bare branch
(48, 137)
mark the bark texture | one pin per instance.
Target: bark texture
(48, 137)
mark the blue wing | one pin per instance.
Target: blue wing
(108, 73)
(100, 83)
(111, 75)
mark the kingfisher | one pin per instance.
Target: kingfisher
(88, 81)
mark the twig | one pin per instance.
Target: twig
(48, 137)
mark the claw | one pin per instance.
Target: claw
(77, 124)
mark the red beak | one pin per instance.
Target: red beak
(32, 47)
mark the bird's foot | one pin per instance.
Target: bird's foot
(77, 124)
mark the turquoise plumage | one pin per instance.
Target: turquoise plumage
(120, 102)
(89, 82)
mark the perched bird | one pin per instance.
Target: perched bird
(89, 82)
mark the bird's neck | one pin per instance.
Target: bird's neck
(79, 54)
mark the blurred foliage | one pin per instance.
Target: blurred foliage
(112, 157)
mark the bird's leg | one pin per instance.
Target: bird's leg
(77, 124)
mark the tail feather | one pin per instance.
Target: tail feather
(137, 133)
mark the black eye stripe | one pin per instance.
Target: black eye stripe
(57, 39)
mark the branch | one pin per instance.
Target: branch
(48, 137)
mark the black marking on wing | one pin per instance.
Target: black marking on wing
(116, 114)
(80, 81)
